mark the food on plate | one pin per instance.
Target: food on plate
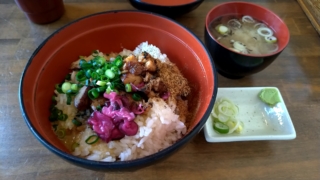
(269, 96)
(121, 106)
(244, 34)
(225, 119)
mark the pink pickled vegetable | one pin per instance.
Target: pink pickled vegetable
(102, 125)
(113, 97)
(125, 114)
(129, 128)
(116, 134)
(116, 119)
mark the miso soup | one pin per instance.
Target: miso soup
(244, 34)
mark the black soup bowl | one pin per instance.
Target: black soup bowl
(170, 8)
(236, 65)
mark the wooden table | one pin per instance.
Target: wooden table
(296, 72)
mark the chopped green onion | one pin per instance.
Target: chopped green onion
(93, 82)
(112, 86)
(88, 73)
(70, 92)
(63, 117)
(108, 90)
(110, 74)
(85, 65)
(81, 76)
(55, 114)
(118, 61)
(128, 88)
(76, 122)
(66, 86)
(115, 69)
(93, 93)
(74, 88)
(101, 83)
(101, 89)
(100, 71)
(94, 75)
(101, 60)
(270, 39)
(108, 66)
(264, 31)
(61, 133)
(136, 97)
(222, 29)
(103, 77)
(69, 99)
(92, 139)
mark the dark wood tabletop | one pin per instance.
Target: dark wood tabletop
(296, 72)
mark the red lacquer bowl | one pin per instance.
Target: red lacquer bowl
(110, 32)
(237, 65)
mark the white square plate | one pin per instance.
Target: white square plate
(261, 122)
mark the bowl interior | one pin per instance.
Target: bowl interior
(258, 12)
(168, 2)
(111, 32)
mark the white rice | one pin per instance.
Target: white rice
(152, 50)
(158, 131)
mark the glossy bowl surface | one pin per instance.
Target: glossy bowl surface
(111, 32)
(236, 65)
(171, 8)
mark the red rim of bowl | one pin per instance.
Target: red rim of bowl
(284, 28)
